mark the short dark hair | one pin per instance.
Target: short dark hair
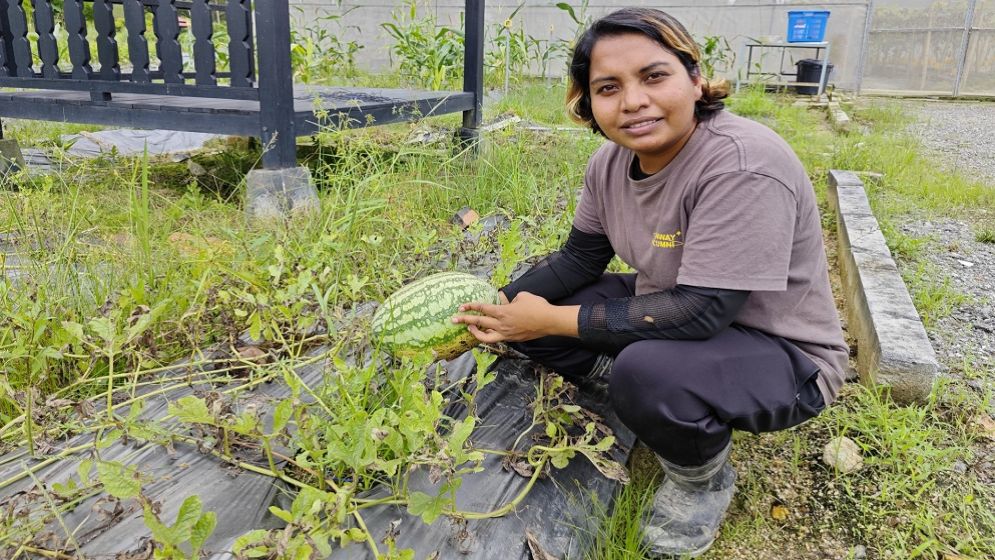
(659, 26)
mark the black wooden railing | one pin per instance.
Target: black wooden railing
(170, 77)
(258, 64)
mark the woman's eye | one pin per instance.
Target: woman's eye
(606, 88)
(656, 76)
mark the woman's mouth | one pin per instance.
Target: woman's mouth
(641, 125)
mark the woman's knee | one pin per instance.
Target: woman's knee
(643, 379)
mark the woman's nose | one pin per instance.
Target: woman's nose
(633, 99)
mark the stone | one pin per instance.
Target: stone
(843, 454)
(196, 169)
(280, 194)
(465, 217)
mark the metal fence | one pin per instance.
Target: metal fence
(931, 47)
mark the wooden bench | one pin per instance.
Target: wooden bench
(254, 96)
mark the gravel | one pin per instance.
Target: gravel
(961, 135)
(968, 333)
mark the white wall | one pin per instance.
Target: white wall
(736, 20)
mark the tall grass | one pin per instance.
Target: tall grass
(109, 247)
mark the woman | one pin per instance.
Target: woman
(729, 321)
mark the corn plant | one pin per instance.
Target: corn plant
(317, 53)
(716, 55)
(429, 54)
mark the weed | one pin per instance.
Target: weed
(985, 235)
(753, 102)
(909, 482)
(932, 294)
(900, 244)
(912, 180)
(619, 534)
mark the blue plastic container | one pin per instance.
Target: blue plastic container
(807, 27)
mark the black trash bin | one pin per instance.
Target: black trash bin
(809, 70)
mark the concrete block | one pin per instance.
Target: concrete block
(893, 349)
(11, 159)
(280, 194)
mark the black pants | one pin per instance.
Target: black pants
(683, 398)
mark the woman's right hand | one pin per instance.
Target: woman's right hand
(527, 317)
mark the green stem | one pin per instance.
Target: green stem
(27, 425)
(42, 464)
(55, 512)
(110, 379)
(267, 448)
(366, 531)
(510, 506)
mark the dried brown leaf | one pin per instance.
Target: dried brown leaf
(536, 549)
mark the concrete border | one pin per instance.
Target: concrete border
(839, 118)
(893, 349)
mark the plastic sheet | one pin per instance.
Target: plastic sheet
(129, 142)
(555, 512)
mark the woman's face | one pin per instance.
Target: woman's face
(642, 97)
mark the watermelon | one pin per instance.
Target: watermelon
(417, 319)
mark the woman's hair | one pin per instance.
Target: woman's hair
(661, 28)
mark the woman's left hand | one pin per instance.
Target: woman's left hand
(527, 317)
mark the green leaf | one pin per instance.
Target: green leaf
(550, 430)
(75, 329)
(282, 415)
(191, 409)
(104, 329)
(255, 327)
(461, 432)
(119, 480)
(303, 551)
(187, 517)
(281, 514)
(568, 9)
(246, 424)
(605, 444)
(202, 530)
(161, 533)
(83, 470)
(136, 409)
(66, 489)
(248, 545)
(429, 508)
(356, 534)
(150, 318)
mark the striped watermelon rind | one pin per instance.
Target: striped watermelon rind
(417, 319)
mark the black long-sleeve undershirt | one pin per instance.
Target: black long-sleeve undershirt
(683, 312)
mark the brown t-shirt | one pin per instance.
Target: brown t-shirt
(735, 210)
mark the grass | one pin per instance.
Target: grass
(135, 264)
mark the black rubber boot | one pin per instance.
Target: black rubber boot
(688, 508)
(596, 381)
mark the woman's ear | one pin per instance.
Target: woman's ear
(697, 80)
